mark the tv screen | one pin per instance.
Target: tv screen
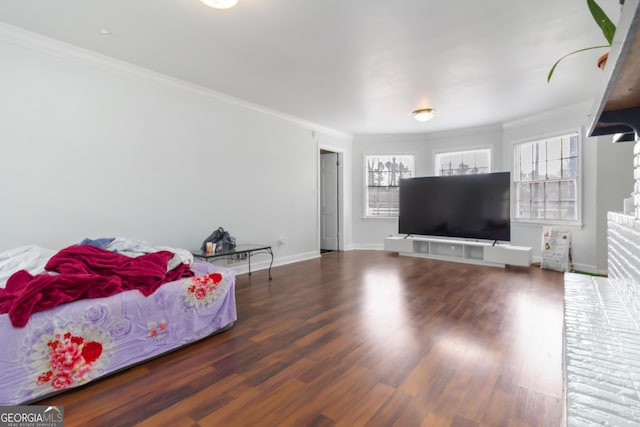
(467, 206)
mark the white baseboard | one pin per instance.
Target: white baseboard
(295, 258)
(367, 247)
(263, 264)
(588, 268)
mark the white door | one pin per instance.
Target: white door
(329, 201)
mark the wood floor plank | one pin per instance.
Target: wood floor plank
(348, 391)
(233, 410)
(168, 419)
(209, 399)
(459, 421)
(532, 409)
(391, 410)
(479, 391)
(499, 408)
(270, 409)
(357, 338)
(364, 409)
(321, 421)
(294, 370)
(275, 328)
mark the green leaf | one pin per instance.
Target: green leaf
(608, 28)
(569, 54)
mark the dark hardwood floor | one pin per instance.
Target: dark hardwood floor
(357, 338)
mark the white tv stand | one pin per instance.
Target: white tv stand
(472, 252)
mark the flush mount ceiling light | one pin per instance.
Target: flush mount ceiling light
(220, 4)
(424, 114)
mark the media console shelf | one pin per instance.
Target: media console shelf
(471, 252)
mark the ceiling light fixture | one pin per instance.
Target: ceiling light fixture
(220, 4)
(424, 114)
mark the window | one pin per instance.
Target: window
(468, 162)
(545, 175)
(383, 174)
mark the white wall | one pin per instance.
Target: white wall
(93, 147)
(601, 189)
(370, 233)
(614, 184)
(606, 169)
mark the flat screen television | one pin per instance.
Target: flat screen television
(465, 206)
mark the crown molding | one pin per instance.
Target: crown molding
(578, 109)
(37, 42)
(428, 136)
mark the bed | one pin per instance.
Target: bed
(78, 341)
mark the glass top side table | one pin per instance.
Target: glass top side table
(248, 248)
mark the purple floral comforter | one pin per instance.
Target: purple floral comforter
(77, 342)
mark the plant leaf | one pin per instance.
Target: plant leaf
(608, 28)
(569, 54)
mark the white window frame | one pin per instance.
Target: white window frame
(577, 223)
(436, 154)
(365, 187)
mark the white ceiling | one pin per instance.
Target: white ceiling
(358, 66)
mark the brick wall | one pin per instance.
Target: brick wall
(623, 232)
(636, 176)
(602, 329)
(601, 355)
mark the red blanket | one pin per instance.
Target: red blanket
(85, 272)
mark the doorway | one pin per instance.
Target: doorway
(330, 185)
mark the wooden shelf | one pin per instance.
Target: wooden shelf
(617, 109)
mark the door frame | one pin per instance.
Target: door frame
(340, 152)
